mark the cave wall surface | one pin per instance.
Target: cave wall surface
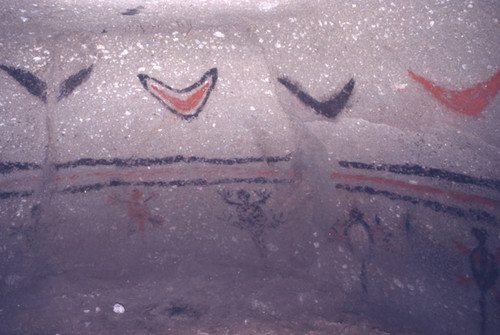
(249, 167)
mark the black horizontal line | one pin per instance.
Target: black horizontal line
(7, 195)
(135, 162)
(9, 167)
(174, 183)
(421, 171)
(470, 214)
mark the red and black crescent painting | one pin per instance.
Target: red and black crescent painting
(187, 102)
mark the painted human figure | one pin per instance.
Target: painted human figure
(360, 241)
(484, 270)
(251, 216)
(138, 209)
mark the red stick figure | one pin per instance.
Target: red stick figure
(138, 209)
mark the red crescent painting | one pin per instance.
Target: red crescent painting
(187, 102)
(470, 101)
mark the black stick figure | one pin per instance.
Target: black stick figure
(355, 243)
(251, 216)
(484, 271)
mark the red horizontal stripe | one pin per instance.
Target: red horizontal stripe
(420, 188)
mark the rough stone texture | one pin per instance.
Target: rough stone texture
(258, 216)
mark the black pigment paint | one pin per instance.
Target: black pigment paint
(73, 81)
(329, 108)
(421, 171)
(135, 162)
(182, 310)
(7, 195)
(470, 214)
(250, 216)
(408, 228)
(8, 167)
(174, 183)
(356, 218)
(190, 107)
(484, 270)
(132, 11)
(36, 211)
(34, 85)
